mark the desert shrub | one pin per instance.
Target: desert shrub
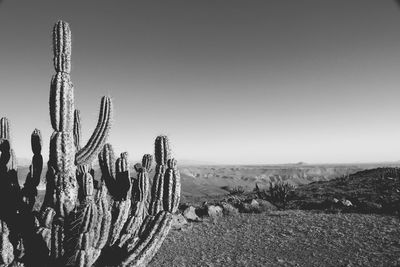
(277, 193)
(261, 193)
(236, 190)
(280, 192)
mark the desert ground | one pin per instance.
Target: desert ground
(310, 230)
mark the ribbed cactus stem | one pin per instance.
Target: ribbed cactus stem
(148, 246)
(162, 155)
(162, 151)
(12, 163)
(81, 230)
(4, 128)
(29, 191)
(62, 152)
(61, 102)
(123, 177)
(107, 167)
(62, 47)
(172, 187)
(36, 142)
(147, 161)
(122, 203)
(77, 129)
(95, 144)
(37, 159)
(5, 155)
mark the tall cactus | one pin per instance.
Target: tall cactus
(119, 221)
(62, 157)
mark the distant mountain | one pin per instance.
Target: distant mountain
(188, 162)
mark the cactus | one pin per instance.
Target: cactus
(29, 192)
(115, 221)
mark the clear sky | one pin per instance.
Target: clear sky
(228, 81)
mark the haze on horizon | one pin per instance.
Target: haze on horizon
(230, 82)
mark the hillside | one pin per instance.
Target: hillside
(326, 233)
(375, 190)
(200, 182)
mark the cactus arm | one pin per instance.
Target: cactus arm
(107, 167)
(82, 227)
(147, 160)
(148, 246)
(4, 129)
(172, 188)
(77, 130)
(102, 228)
(88, 153)
(140, 191)
(122, 205)
(162, 155)
(29, 191)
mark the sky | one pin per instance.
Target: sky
(230, 82)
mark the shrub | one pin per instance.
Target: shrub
(280, 192)
(237, 190)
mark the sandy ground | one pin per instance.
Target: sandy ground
(285, 238)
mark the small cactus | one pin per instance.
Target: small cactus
(29, 191)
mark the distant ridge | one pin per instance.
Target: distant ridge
(25, 162)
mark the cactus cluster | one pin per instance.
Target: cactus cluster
(112, 220)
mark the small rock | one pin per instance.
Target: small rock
(190, 214)
(178, 222)
(228, 209)
(346, 203)
(254, 203)
(214, 211)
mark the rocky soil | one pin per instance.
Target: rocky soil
(285, 238)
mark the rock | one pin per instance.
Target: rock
(228, 209)
(178, 222)
(214, 211)
(346, 203)
(254, 203)
(190, 214)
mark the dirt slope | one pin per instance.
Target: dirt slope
(375, 190)
(286, 238)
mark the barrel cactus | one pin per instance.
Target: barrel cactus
(114, 220)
